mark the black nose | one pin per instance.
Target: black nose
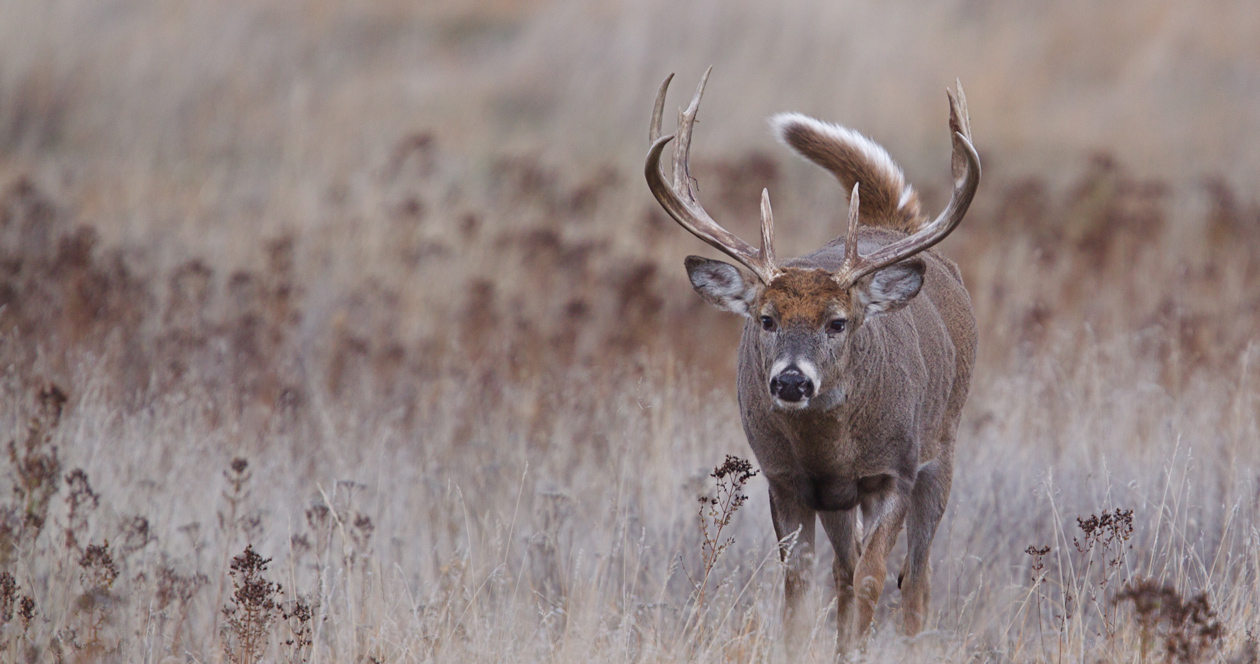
(791, 386)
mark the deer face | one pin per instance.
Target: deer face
(807, 319)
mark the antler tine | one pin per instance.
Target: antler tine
(680, 199)
(851, 257)
(959, 122)
(966, 171)
(682, 149)
(767, 229)
(654, 129)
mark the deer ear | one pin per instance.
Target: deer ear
(721, 285)
(891, 288)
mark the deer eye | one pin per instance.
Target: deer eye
(767, 323)
(836, 325)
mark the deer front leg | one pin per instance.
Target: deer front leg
(794, 526)
(885, 517)
(841, 530)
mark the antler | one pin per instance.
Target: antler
(681, 202)
(966, 171)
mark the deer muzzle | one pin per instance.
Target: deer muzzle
(792, 387)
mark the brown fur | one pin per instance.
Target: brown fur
(805, 296)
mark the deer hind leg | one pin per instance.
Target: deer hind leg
(872, 569)
(927, 504)
(842, 531)
(794, 526)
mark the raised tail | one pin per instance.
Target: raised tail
(887, 201)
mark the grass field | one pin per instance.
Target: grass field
(349, 332)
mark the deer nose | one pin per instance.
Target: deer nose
(791, 385)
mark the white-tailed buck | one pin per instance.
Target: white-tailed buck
(855, 360)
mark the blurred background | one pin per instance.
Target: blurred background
(408, 246)
(432, 152)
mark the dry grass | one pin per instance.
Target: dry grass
(351, 333)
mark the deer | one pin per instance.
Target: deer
(854, 363)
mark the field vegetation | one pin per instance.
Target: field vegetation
(349, 332)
